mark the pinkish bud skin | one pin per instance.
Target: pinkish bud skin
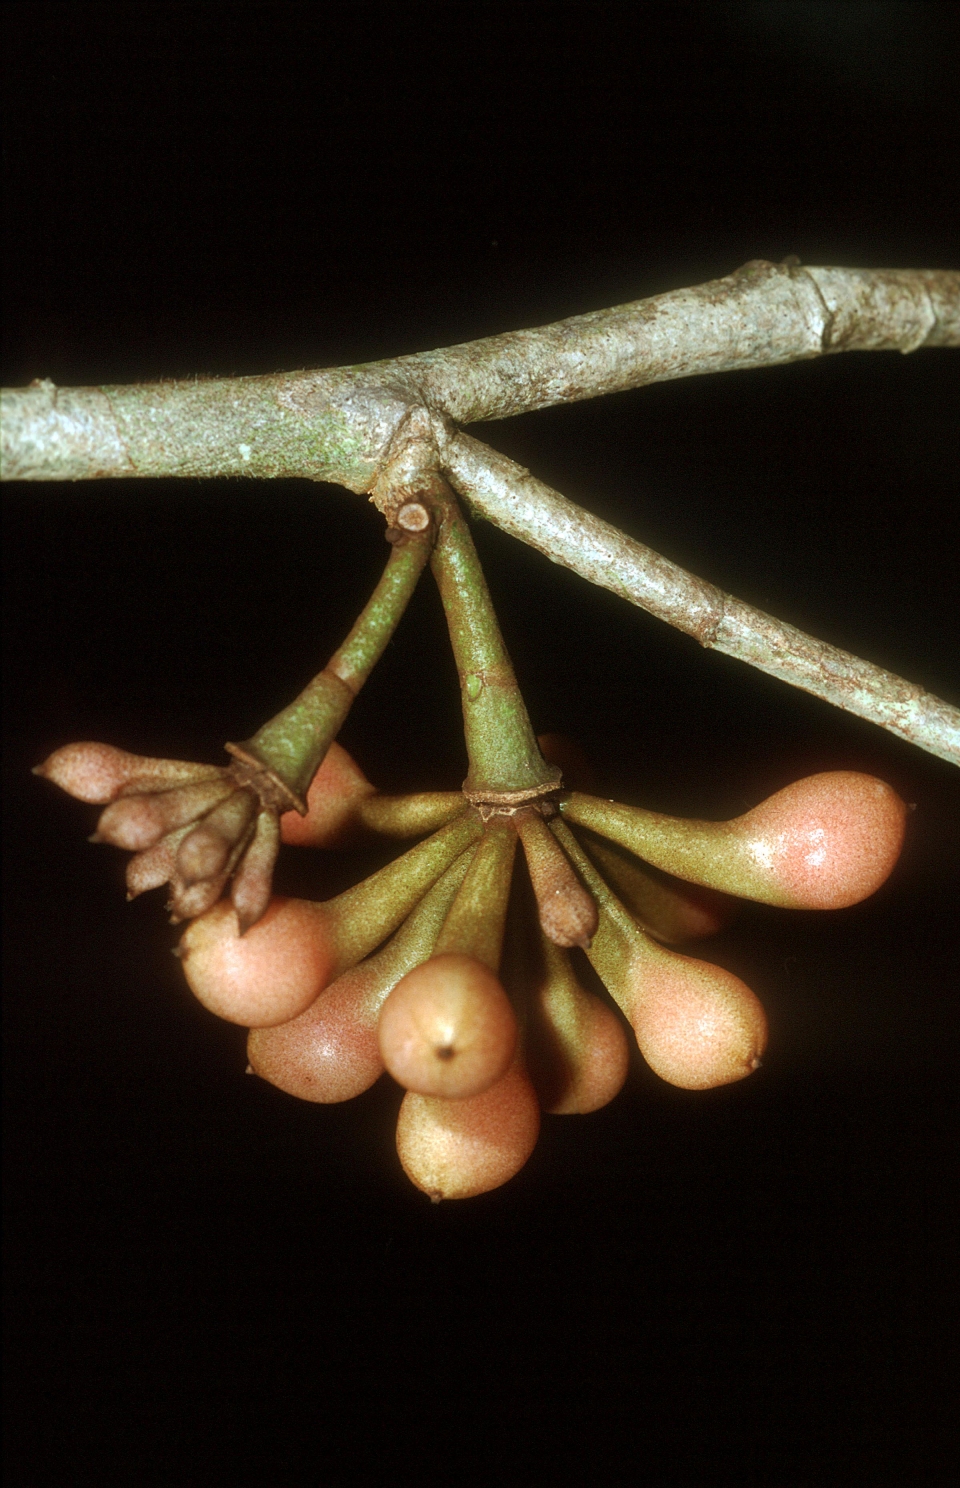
(667, 908)
(697, 1025)
(455, 1149)
(266, 976)
(699, 912)
(827, 841)
(133, 823)
(822, 843)
(581, 1057)
(98, 773)
(448, 1028)
(575, 1045)
(335, 792)
(91, 772)
(187, 901)
(331, 1052)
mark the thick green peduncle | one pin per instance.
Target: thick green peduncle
(478, 915)
(504, 757)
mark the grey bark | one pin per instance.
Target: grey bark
(345, 424)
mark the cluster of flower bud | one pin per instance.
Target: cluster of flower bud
(194, 827)
(209, 829)
(406, 972)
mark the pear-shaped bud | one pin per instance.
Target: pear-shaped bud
(99, 773)
(331, 1052)
(697, 1025)
(824, 842)
(455, 1149)
(268, 975)
(577, 1050)
(448, 1028)
(270, 972)
(206, 851)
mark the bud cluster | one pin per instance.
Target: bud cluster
(407, 972)
(438, 969)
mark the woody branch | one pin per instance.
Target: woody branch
(342, 425)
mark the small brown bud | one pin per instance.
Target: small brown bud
(253, 881)
(99, 773)
(204, 853)
(155, 866)
(567, 912)
(137, 822)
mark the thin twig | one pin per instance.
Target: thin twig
(517, 502)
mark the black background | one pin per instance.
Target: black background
(209, 1282)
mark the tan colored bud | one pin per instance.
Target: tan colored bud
(155, 866)
(137, 822)
(253, 880)
(568, 914)
(454, 1149)
(206, 851)
(98, 773)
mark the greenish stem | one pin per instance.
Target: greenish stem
(291, 747)
(475, 924)
(414, 941)
(707, 853)
(501, 746)
(366, 914)
(408, 816)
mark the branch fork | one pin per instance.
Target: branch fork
(384, 428)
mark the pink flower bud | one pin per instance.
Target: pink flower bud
(137, 822)
(697, 1025)
(268, 975)
(454, 1149)
(332, 800)
(826, 841)
(98, 773)
(447, 1027)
